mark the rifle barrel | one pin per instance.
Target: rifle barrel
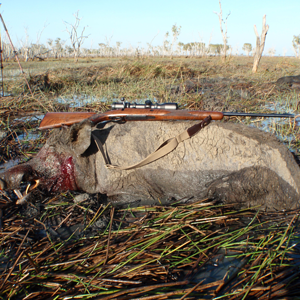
(52, 120)
(240, 114)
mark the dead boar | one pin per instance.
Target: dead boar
(230, 162)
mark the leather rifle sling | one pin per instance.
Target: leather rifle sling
(165, 148)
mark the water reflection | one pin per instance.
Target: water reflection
(83, 100)
(80, 100)
(9, 164)
(28, 136)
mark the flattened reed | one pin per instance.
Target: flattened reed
(64, 250)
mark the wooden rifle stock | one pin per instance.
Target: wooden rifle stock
(53, 120)
(58, 119)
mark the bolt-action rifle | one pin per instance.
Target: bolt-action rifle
(126, 111)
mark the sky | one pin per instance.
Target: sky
(137, 22)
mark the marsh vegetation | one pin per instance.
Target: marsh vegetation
(63, 247)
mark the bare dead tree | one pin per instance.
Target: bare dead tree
(150, 47)
(175, 31)
(296, 45)
(224, 32)
(15, 53)
(25, 45)
(76, 38)
(40, 49)
(247, 48)
(260, 44)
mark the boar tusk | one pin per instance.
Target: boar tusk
(21, 199)
(36, 184)
(18, 193)
(27, 188)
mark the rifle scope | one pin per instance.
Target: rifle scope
(147, 104)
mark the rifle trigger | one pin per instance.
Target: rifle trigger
(119, 120)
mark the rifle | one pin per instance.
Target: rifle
(126, 111)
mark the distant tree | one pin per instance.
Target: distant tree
(40, 49)
(108, 48)
(25, 45)
(187, 48)
(215, 48)
(59, 47)
(175, 32)
(247, 48)
(180, 47)
(195, 48)
(31, 50)
(102, 47)
(260, 44)
(296, 45)
(284, 51)
(166, 44)
(7, 51)
(271, 51)
(68, 50)
(76, 38)
(50, 42)
(200, 48)
(224, 32)
(118, 45)
(150, 47)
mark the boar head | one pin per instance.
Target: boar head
(56, 164)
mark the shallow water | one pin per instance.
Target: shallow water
(276, 126)
(29, 136)
(285, 129)
(80, 100)
(223, 265)
(83, 100)
(30, 118)
(9, 164)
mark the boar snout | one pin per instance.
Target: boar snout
(13, 177)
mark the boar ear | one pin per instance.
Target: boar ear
(80, 135)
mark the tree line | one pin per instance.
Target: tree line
(59, 48)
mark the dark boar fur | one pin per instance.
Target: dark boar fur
(229, 162)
